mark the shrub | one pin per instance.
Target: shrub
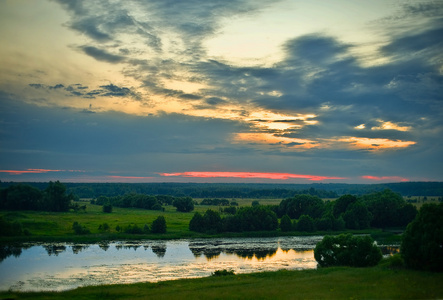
(422, 244)
(224, 272)
(285, 223)
(347, 250)
(196, 223)
(184, 204)
(104, 227)
(133, 229)
(305, 223)
(79, 229)
(159, 225)
(107, 208)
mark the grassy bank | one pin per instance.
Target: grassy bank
(378, 282)
(57, 226)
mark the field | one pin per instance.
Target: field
(50, 226)
(58, 225)
(380, 282)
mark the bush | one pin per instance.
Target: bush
(79, 229)
(196, 223)
(184, 204)
(133, 229)
(10, 228)
(224, 272)
(107, 208)
(104, 227)
(159, 225)
(305, 223)
(285, 223)
(422, 244)
(347, 250)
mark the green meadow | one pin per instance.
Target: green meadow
(57, 226)
(379, 282)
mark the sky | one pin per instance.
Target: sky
(254, 91)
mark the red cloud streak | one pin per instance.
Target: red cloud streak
(28, 171)
(278, 176)
(385, 178)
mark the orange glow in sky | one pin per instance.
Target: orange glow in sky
(278, 176)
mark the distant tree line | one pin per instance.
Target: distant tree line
(183, 204)
(26, 197)
(310, 213)
(242, 190)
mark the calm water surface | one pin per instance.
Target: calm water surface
(67, 266)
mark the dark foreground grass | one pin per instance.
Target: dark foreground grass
(378, 282)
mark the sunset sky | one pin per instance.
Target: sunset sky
(285, 91)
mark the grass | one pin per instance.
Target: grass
(380, 282)
(56, 226)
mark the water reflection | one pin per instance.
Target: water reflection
(61, 266)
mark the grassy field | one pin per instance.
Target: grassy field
(378, 282)
(57, 226)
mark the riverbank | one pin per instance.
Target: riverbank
(57, 227)
(380, 282)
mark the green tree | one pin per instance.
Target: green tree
(347, 250)
(184, 204)
(256, 218)
(285, 223)
(196, 223)
(56, 198)
(159, 225)
(342, 203)
(422, 244)
(385, 208)
(301, 205)
(305, 223)
(212, 221)
(357, 216)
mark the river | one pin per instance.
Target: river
(64, 266)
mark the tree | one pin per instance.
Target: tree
(385, 208)
(212, 221)
(347, 250)
(357, 216)
(196, 223)
(422, 244)
(184, 204)
(256, 218)
(285, 223)
(56, 198)
(305, 223)
(159, 225)
(342, 203)
(301, 205)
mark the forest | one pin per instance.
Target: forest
(241, 190)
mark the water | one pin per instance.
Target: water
(58, 267)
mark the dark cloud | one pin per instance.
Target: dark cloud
(215, 101)
(102, 55)
(84, 92)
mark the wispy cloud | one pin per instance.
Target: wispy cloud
(246, 175)
(385, 178)
(34, 171)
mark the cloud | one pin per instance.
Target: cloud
(102, 55)
(250, 175)
(82, 91)
(385, 178)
